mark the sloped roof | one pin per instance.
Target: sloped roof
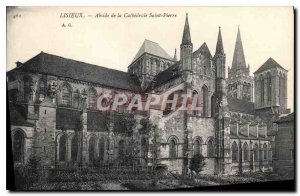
(58, 66)
(153, 48)
(203, 50)
(17, 118)
(288, 118)
(167, 75)
(242, 106)
(270, 63)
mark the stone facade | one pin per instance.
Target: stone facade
(53, 111)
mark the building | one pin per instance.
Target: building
(284, 146)
(53, 110)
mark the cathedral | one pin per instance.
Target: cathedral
(53, 114)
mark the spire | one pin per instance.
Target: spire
(175, 56)
(186, 37)
(238, 61)
(219, 47)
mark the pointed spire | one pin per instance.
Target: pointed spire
(186, 37)
(219, 47)
(175, 56)
(238, 61)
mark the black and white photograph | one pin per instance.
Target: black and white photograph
(150, 98)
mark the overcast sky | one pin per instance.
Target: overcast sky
(113, 42)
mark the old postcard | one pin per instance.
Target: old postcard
(150, 98)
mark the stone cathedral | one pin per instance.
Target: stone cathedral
(53, 115)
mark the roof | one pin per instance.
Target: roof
(288, 118)
(67, 118)
(96, 121)
(239, 105)
(153, 48)
(269, 64)
(203, 50)
(17, 117)
(58, 66)
(238, 61)
(186, 37)
(168, 74)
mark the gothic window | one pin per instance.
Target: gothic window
(265, 150)
(246, 152)
(197, 147)
(196, 97)
(121, 149)
(92, 97)
(269, 88)
(66, 94)
(92, 146)
(76, 97)
(204, 91)
(212, 101)
(173, 148)
(74, 147)
(255, 151)
(18, 146)
(210, 148)
(204, 70)
(63, 148)
(42, 89)
(262, 90)
(235, 152)
(144, 148)
(101, 147)
(28, 94)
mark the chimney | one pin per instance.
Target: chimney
(19, 64)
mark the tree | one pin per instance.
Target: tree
(197, 163)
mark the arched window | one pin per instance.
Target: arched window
(234, 152)
(265, 149)
(92, 97)
(101, 147)
(92, 146)
(63, 148)
(197, 147)
(121, 148)
(18, 146)
(204, 91)
(204, 70)
(246, 151)
(269, 88)
(76, 97)
(28, 94)
(42, 89)
(196, 104)
(66, 94)
(173, 148)
(212, 103)
(144, 148)
(74, 147)
(255, 151)
(262, 91)
(210, 148)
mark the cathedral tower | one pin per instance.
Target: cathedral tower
(186, 48)
(240, 83)
(221, 110)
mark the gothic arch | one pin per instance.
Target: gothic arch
(269, 88)
(197, 145)
(27, 88)
(92, 142)
(92, 95)
(195, 93)
(62, 147)
(234, 152)
(74, 147)
(204, 95)
(66, 94)
(245, 151)
(18, 145)
(210, 146)
(101, 148)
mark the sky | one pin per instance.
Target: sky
(114, 41)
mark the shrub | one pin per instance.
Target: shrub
(197, 163)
